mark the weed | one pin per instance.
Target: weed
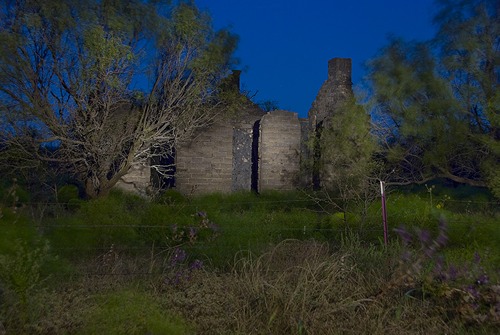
(20, 274)
(462, 291)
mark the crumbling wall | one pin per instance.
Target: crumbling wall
(245, 144)
(306, 153)
(205, 164)
(137, 180)
(334, 92)
(242, 158)
(256, 150)
(279, 151)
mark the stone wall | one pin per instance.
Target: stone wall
(255, 150)
(245, 148)
(334, 92)
(279, 151)
(242, 159)
(137, 180)
(206, 163)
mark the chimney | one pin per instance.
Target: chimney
(234, 80)
(339, 71)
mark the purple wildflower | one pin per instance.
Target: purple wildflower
(404, 234)
(406, 256)
(424, 236)
(477, 258)
(442, 239)
(443, 226)
(438, 270)
(192, 234)
(196, 265)
(429, 251)
(177, 257)
(453, 273)
(214, 227)
(472, 291)
(483, 279)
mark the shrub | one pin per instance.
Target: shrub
(68, 195)
(463, 291)
(14, 227)
(12, 194)
(97, 225)
(20, 274)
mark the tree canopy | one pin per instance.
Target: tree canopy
(106, 84)
(437, 101)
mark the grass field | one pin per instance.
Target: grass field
(274, 263)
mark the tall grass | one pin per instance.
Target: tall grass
(248, 264)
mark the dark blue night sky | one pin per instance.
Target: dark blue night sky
(285, 44)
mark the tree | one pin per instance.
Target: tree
(438, 101)
(108, 84)
(343, 162)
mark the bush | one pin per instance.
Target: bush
(98, 224)
(68, 195)
(20, 275)
(14, 227)
(12, 194)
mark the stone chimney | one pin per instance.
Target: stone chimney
(234, 80)
(339, 71)
(334, 92)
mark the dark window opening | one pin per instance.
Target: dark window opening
(316, 178)
(255, 157)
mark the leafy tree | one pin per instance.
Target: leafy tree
(344, 149)
(106, 84)
(438, 101)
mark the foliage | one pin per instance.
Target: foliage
(290, 294)
(437, 102)
(68, 196)
(97, 225)
(20, 271)
(465, 291)
(12, 194)
(67, 193)
(252, 277)
(343, 161)
(20, 276)
(170, 197)
(15, 226)
(131, 312)
(68, 77)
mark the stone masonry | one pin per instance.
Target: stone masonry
(205, 164)
(334, 92)
(279, 159)
(255, 150)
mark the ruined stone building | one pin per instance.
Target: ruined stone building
(255, 150)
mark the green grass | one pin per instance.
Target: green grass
(131, 312)
(268, 258)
